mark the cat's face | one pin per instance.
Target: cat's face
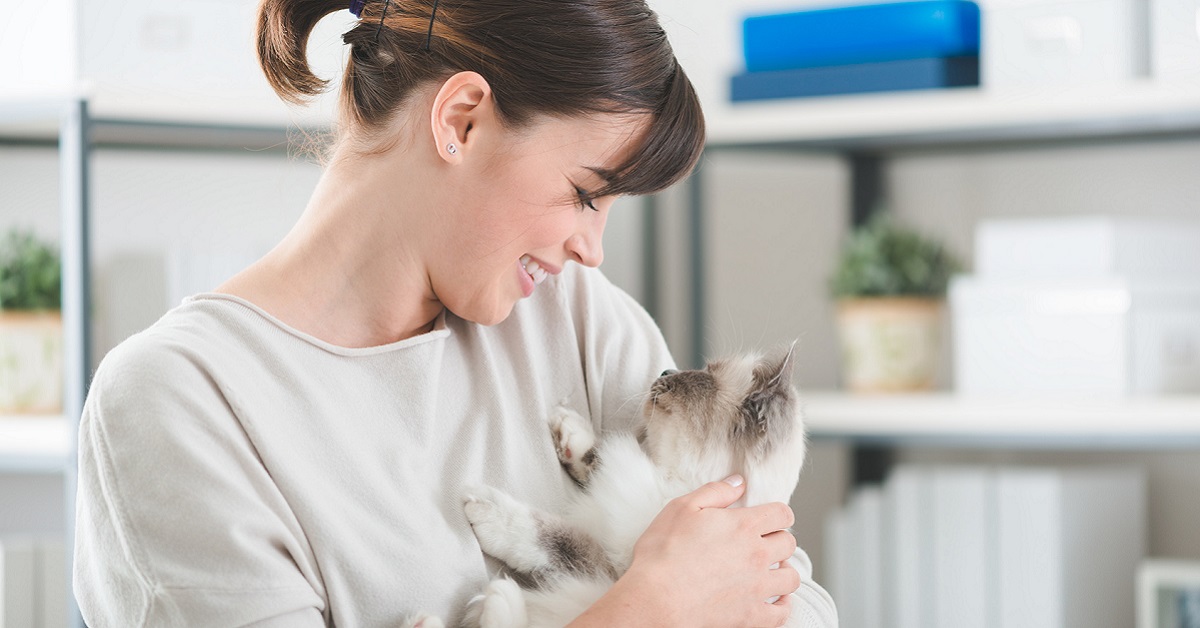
(736, 415)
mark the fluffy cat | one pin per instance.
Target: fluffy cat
(738, 415)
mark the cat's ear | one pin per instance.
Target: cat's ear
(772, 380)
(780, 367)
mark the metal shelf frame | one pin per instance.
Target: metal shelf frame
(866, 157)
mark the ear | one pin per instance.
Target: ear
(772, 468)
(772, 377)
(781, 367)
(461, 106)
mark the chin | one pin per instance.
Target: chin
(488, 316)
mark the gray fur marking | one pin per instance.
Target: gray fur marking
(571, 552)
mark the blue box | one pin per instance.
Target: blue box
(861, 34)
(884, 76)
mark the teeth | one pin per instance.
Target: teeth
(535, 271)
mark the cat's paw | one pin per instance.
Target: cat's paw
(574, 441)
(505, 528)
(424, 621)
(502, 605)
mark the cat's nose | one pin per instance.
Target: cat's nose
(669, 372)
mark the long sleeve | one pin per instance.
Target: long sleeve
(812, 606)
(178, 523)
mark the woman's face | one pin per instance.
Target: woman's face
(522, 210)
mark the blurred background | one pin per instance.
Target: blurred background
(980, 223)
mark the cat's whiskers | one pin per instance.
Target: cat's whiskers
(639, 397)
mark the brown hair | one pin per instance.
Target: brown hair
(548, 57)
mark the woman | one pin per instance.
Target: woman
(291, 448)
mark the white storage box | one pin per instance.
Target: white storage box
(1175, 40)
(1039, 42)
(1088, 248)
(1109, 337)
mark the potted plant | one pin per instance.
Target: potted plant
(31, 345)
(890, 286)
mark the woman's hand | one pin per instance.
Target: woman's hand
(703, 564)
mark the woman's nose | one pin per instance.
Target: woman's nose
(587, 244)
(587, 248)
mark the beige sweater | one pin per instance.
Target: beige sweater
(233, 470)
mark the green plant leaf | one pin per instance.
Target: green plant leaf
(883, 258)
(30, 273)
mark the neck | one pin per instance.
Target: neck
(351, 272)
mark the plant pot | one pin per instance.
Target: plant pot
(31, 362)
(889, 344)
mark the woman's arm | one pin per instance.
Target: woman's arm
(178, 523)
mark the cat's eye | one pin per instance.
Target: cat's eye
(668, 372)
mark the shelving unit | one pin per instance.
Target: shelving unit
(868, 129)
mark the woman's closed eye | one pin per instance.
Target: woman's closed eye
(585, 199)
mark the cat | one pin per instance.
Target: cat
(737, 415)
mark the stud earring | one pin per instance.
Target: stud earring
(452, 149)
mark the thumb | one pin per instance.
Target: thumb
(719, 494)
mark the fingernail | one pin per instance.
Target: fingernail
(734, 480)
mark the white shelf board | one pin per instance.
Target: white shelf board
(34, 444)
(149, 119)
(960, 115)
(947, 418)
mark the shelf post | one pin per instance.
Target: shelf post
(867, 191)
(74, 152)
(696, 254)
(651, 268)
(866, 186)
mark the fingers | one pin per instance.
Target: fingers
(716, 494)
(781, 544)
(767, 518)
(778, 607)
(774, 614)
(783, 581)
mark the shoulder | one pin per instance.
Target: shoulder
(172, 347)
(168, 370)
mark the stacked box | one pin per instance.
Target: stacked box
(1080, 306)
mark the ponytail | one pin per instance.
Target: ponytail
(282, 38)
